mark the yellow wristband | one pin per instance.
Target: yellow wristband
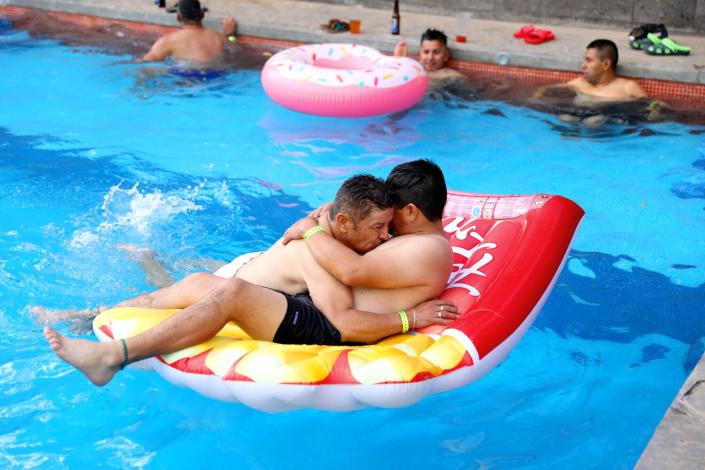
(311, 231)
(404, 321)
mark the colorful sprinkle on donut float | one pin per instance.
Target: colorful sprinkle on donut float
(343, 80)
(508, 252)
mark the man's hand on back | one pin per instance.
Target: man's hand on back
(322, 209)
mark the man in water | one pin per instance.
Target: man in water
(433, 55)
(409, 269)
(600, 78)
(193, 42)
(442, 81)
(599, 85)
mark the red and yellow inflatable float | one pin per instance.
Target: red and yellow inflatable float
(508, 252)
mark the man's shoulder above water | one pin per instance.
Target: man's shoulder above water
(618, 88)
(410, 270)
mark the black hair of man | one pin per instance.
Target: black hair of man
(359, 195)
(191, 11)
(434, 35)
(421, 183)
(606, 49)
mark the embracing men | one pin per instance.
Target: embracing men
(354, 297)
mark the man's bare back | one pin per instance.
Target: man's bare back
(423, 263)
(191, 43)
(194, 42)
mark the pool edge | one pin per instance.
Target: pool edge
(680, 93)
(679, 440)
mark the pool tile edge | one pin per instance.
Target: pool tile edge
(679, 440)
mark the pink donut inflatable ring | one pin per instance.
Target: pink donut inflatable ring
(343, 80)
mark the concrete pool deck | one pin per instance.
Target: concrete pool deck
(679, 441)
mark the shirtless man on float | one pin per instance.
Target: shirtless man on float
(404, 273)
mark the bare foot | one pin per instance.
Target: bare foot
(46, 316)
(98, 361)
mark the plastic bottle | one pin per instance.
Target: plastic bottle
(396, 18)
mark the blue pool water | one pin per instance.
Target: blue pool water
(94, 153)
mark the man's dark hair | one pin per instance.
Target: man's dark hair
(421, 183)
(190, 11)
(359, 195)
(434, 35)
(606, 49)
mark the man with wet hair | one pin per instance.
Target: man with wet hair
(433, 55)
(403, 273)
(193, 42)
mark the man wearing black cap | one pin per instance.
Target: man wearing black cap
(193, 42)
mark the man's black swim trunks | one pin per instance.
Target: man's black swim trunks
(305, 324)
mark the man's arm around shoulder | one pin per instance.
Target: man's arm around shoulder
(337, 304)
(405, 261)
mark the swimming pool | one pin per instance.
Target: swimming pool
(95, 153)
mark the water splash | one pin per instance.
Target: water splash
(130, 207)
(83, 238)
